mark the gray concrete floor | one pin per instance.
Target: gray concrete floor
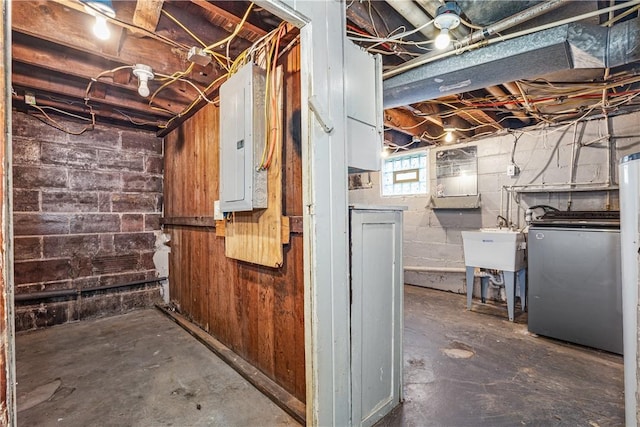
(461, 369)
(137, 369)
(478, 369)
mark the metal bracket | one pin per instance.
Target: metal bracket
(321, 115)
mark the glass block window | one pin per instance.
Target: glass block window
(405, 174)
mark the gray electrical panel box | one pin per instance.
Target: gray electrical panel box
(363, 79)
(243, 185)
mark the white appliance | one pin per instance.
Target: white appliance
(629, 173)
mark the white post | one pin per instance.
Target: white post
(324, 165)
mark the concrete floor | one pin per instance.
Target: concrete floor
(461, 369)
(137, 369)
(473, 369)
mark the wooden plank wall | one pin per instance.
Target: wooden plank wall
(256, 311)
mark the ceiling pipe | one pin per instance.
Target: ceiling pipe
(415, 15)
(425, 59)
(511, 21)
(516, 89)
(502, 96)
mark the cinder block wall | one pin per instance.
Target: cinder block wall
(432, 238)
(86, 214)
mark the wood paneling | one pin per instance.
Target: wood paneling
(255, 311)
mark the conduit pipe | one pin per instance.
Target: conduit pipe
(414, 14)
(502, 96)
(516, 89)
(435, 269)
(426, 59)
(32, 296)
(511, 21)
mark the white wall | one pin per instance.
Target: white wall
(432, 237)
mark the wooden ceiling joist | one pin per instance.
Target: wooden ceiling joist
(78, 67)
(121, 115)
(229, 22)
(147, 14)
(407, 123)
(113, 97)
(60, 26)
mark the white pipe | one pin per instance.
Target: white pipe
(427, 59)
(414, 14)
(435, 269)
(502, 96)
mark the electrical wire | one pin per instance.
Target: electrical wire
(53, 123)
(188, 31)
(132, 120)
(58, 110)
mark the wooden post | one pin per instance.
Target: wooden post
(7, 352)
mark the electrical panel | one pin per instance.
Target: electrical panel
(243, 184)
(363, 79)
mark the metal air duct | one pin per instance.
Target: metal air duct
(569, 46)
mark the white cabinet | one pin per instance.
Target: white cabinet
(376, 312)
(363, 85)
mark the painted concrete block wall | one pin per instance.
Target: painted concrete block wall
(87, 212)
(432, 238)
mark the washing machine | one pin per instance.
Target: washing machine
(575, 291)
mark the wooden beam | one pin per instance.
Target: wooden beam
(405, 122)
(123, 13)
(141, 121)
(190, 221)
(230, 21)
(465, 110)
(147, 14)
(60, 85)
(52, 22)
(30, 51)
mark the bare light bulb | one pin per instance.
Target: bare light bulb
(143, 88)
(448, 137)
(443, 40)
(144, 73)
(384, 153)
(100, 28)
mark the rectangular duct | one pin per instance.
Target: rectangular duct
(569, 46)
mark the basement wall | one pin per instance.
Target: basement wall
(87, 212)
(432, 238)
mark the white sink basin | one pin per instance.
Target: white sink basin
(494, 248)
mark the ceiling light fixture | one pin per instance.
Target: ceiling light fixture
(447, 18)
(144, 73)
(448, 136)
(101, 9)
(448, 130)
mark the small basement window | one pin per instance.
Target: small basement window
(405, 174)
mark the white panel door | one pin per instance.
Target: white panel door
(376, 314)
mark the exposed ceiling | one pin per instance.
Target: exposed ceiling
(58, 60)
(511, 64)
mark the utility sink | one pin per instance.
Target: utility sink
(494, 248)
